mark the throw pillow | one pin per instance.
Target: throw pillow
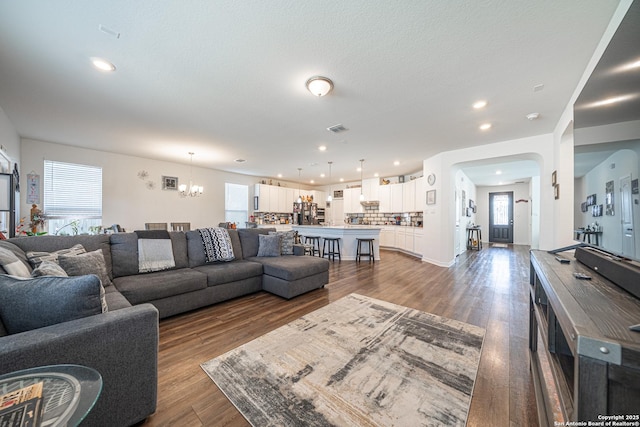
(48, 268)
(288, 238)
(28, 304)
(217, 244)
(269, 245)
(35, 258)
(12, 264)
(86, 263)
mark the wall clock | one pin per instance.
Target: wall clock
(431, 179)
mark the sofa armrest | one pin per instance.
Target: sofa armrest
(122, 345)
(298, 249)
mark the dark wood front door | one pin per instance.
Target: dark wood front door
(501, 217)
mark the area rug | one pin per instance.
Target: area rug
(355, 362)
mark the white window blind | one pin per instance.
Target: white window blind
(72, 191)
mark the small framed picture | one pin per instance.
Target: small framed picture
(554, 178)
(401, 179)
(431, 197)
(170, 183)
(556, 191)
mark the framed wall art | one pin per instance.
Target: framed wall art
(170, 183)
(431, 197)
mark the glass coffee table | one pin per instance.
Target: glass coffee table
(68, 392)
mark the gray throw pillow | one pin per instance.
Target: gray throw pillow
(35, 258)
(12, 264)
(28, 304)
(287, 237)
(269, 245)
(86, 263)
(48, 268)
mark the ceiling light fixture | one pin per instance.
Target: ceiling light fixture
(485, 126)
(329, 198)
(322, 148)
(361, 181)
(319, 86)
(103, 65)
(194, 190)
(240, 160)
(532, 116)
(479, 104)
(396, 163)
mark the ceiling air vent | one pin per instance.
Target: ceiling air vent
(337, 128)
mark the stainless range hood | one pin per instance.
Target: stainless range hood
(370, 203)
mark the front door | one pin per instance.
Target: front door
(501, 217)
(626, 208)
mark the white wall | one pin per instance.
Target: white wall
(463, 183)
(127, 200)
(522, 218)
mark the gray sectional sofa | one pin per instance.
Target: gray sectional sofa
(122, 344)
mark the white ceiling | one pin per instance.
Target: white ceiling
(225, 78)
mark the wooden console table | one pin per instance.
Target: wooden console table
(585, 360)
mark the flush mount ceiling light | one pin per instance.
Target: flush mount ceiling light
(103, 65)
(319, 86)
(479, 104)
(532, 116)
(485, 126)
(239, 160)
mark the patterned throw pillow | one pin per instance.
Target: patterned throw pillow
(288, 239)
(48, 268)
(12, 264)
(35, 258)
(269, 245)
(217, 244)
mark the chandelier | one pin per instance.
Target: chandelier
(193, 190)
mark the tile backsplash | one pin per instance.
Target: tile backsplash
(372, 216)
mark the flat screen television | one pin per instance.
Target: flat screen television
(607, 146)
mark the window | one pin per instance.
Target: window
(72, 197)
(236, 209)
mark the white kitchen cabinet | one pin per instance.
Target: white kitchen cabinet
(384, 196)
(351, 197)
(370, 189)
(262, 192)
(417, 241)
(409, 196)
(388, 237)
(396, 198)
(320, 197)
(274, 198)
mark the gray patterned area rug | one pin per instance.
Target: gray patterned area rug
(355, 362)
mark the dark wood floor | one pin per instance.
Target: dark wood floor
(488, 288)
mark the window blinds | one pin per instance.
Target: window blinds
(72, 191)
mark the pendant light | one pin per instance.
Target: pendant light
(329, 198)
(299, 195)
(361, 181)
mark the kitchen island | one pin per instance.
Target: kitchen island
(347, 234)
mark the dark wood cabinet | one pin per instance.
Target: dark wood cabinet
(585, 360)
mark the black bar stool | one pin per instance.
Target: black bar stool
(329, 248)
(312, 245)
(369, 245)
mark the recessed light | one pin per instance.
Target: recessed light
(376, 174)
(498, 172)
(103, 64)
(485, 126)
(321, 175)
(322, 148)
(341, 179)
(279, 175)
(312, 182)
(396, 163)
(358, 169)
(479, 104)
(240, 160)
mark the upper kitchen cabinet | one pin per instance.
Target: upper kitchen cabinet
(397, 194)
(351, 197)
(384, 196)
(409, 196)
(320, 198)
(370, 189)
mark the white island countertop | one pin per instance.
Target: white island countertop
(347, 234)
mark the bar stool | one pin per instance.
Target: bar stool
(312, 245)
(370, 254)
(329, 248)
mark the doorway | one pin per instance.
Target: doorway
(501, 217)
(626, 205)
